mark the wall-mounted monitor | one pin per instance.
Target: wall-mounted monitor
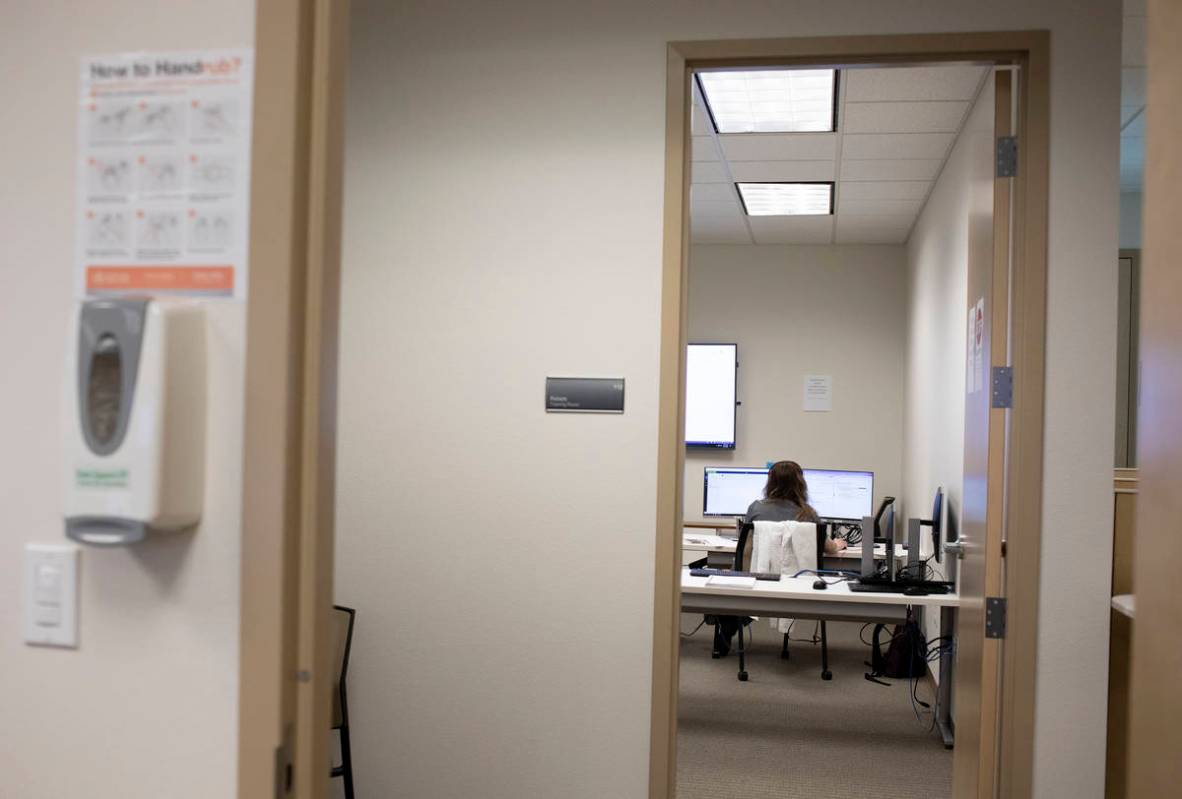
(711, 374)
(730, 490)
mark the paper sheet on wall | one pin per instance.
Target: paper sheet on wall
(163, 174)
(818, 392)
(975, 348)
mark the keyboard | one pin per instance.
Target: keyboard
(766, 576)
(914, 587)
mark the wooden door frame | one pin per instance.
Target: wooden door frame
(289, 427)
(1030, 50)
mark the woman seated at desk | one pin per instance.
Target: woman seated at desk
(786, 499)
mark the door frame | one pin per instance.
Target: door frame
(1021, 505)
(289, 424)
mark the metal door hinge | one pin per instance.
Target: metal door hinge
(1002, 392)
(1007, 156)
(995, 617)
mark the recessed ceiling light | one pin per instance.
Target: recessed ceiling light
(787, 199)
(771, 100)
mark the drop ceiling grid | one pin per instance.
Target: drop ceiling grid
(1132, 96)
(906, 121)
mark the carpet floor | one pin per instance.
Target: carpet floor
(787, 733)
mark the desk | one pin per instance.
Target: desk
(795, 598)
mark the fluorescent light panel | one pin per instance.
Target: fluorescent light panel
(770, 101)
(787, 199)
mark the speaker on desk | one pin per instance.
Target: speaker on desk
(868, 569)
(914, 531)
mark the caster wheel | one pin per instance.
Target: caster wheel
(742, 676)
(826, 675)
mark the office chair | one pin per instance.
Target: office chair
(342, 632)
(746, 532)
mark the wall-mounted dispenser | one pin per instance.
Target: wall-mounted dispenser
(135, 432)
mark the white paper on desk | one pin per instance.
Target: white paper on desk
(724, 581)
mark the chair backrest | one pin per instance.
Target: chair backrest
(342, 642)
(747, 533)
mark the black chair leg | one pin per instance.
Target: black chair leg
(825, 673)
(347, 762)
(742, 654)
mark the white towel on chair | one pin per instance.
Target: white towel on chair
(784, 548)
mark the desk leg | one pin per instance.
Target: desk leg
(944, 694)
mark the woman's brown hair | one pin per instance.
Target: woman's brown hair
(785, 482)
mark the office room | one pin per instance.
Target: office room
(827, 326)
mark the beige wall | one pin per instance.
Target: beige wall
(937, 319)
(833, 310)
(503, 222)
(146, 707)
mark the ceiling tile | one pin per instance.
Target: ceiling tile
(1132, 85)
(713, 192)
(1134, 8)
(884, 190)
(898, 236)
(779, 146)
(709, 172)
(703, 209)
(904, 117)
(912, 83)
(1127, 112)
(780, 171)
(1132, 42)
(845, 206)
(873, 229)
(897, 169)
(700, 121)
(702, 149)
(709, 231)
(791, 229)
(1134, 127)
(896, 145)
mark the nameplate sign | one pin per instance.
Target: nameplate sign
(584, 395)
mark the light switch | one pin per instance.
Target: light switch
(51, 595)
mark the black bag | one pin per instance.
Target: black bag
(906, 656)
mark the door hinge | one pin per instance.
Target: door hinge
(1007, 156)
(1002, 391)
(995, 617)
(284, 775)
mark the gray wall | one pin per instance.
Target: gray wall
(795, 310)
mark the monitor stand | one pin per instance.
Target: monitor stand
(868, 569)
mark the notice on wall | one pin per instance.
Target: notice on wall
(163, 174)
(818, 392)
(975, 346)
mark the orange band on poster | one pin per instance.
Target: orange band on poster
(213, 279)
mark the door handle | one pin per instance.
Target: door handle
(954, 548)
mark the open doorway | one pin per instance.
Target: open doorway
(853, 262)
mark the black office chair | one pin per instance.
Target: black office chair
(746, 532)
(342, 630)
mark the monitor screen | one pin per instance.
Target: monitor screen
(710, 376)
(729, 490)
(840, 494)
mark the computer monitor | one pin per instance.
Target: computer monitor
(934, 522)
(840, 494)
(711, 389)
(729, 490)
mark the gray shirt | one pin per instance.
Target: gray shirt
(772, 510)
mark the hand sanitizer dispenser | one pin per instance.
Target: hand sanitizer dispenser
(135, 432)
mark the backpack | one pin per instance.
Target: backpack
(906, 655)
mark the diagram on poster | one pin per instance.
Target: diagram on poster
(163, 187)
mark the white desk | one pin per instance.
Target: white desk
(796, 598)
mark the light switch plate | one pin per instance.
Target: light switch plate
(51, 595)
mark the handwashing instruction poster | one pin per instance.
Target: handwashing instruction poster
(163, 187)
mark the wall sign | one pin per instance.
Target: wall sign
(584, 395)
(818, 392)
(163, 185)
